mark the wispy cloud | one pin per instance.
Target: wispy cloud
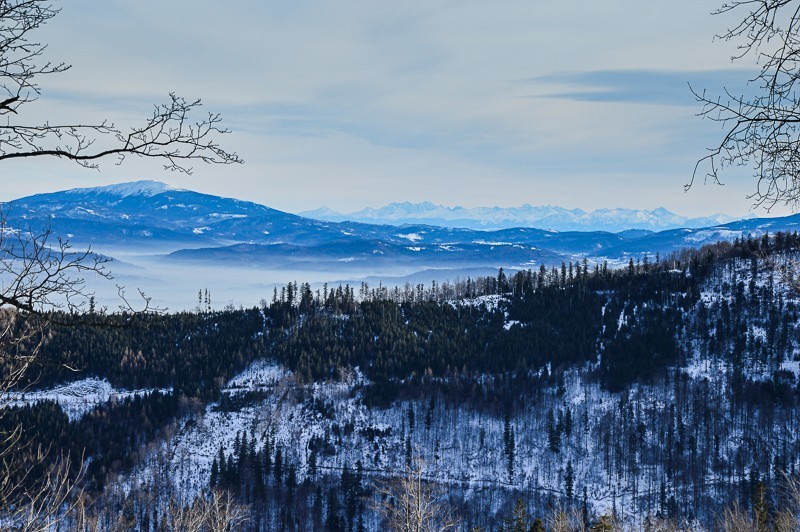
(654, 87)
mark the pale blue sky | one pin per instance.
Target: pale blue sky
(359, 103)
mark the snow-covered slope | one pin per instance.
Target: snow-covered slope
(625, 449)
(136, 188)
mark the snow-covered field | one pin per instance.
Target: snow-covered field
(76, 398)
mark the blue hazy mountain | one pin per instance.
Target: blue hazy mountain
(184, 225)
(543, 217)
(152, 213)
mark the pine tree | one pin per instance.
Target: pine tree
(510, 451)
(291, 484)
(429, 414)
(553, 434)
(223, 468)
(568, 480)
(312, 463)
(568, 423)
(278, 467)
(333, 522)
(214, 473)
(585, 508)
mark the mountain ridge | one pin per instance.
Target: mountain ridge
(183, 225)
(549, 217)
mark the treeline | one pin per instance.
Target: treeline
(558, 315)
(192, 353)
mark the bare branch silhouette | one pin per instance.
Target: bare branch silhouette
(762, 129)
(170, 133)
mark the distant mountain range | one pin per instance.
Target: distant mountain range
(182, 226)
(541, 217)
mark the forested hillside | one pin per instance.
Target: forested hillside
(666, 388)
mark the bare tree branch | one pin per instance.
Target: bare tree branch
(43, 279)
(414, 504)
(762, 130)
(170, 134)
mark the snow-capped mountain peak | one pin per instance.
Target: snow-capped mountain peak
(543, 217)
(146, 188)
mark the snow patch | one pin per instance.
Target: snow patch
(712, 234)
(411, 237)
(76, 398)
(226, 216)
(491, 243)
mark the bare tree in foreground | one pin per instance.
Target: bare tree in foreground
(42, 508)
(41, 274)
(762, 126)
(169, 134)
(214, 512)
(413, 504)
(41, 278)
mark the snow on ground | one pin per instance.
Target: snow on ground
(76, 398)
(792, 366)
(261, 374)
(491, 301)
(714, 234)
(460, 446)
(491, 243)
(711, 370)
(227, 216)
(411, 237)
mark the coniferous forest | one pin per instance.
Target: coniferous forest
(665, 390)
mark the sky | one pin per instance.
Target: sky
(351, 104)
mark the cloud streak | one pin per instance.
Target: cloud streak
(643, 86)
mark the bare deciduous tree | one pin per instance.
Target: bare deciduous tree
(413, 504)
(733, 518)
(42, 507)
(169, 134)
(762, 127)
(214, 512)
(39, 276)
(40, 273)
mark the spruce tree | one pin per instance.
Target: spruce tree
(568, 480)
